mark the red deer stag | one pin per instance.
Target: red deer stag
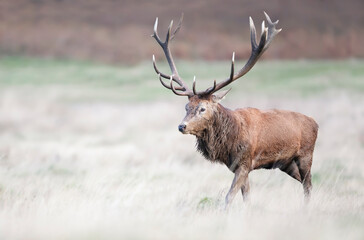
(245, 139)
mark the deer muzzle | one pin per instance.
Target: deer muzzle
(182, 127)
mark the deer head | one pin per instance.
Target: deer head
(203, 105)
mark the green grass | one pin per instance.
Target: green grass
(206, 202)
(140, 83)
(20, 70)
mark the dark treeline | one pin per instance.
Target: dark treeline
(119, 30)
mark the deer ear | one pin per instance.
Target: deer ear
(220, 95)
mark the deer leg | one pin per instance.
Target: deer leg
(292, 170)
(304, 165)
(240, 182)
(245, 189)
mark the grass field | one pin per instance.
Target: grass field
(91, 151)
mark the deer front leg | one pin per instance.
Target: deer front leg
(245, 190)
(240, 182)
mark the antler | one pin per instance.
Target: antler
(183, 88)
(257, 51)
(266, 38)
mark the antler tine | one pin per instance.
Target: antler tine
(203, 93)
(266, 38)
(272, 31)
(253, 34)
(194, 85)
(178, 27)
(210, 90)
(232, 67)
(155, 33)
(160, 74)
(213, 88)
(169, 33)
(185, 93)
(168, 86)
(165, 46)
(157, 70)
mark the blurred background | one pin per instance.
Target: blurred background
(89, 146)
(114, 31)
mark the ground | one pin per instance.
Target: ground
(90, 151)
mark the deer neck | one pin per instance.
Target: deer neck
(218, 138)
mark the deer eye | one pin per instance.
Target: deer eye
(202, 109)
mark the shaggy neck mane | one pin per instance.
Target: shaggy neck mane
(219, 137)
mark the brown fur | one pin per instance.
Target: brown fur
(248, 139)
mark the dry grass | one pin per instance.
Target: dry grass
(72, 168)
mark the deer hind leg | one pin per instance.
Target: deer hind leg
(240, 182)
(304, 164)
(292, 170)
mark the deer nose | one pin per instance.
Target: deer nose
(182, 127)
